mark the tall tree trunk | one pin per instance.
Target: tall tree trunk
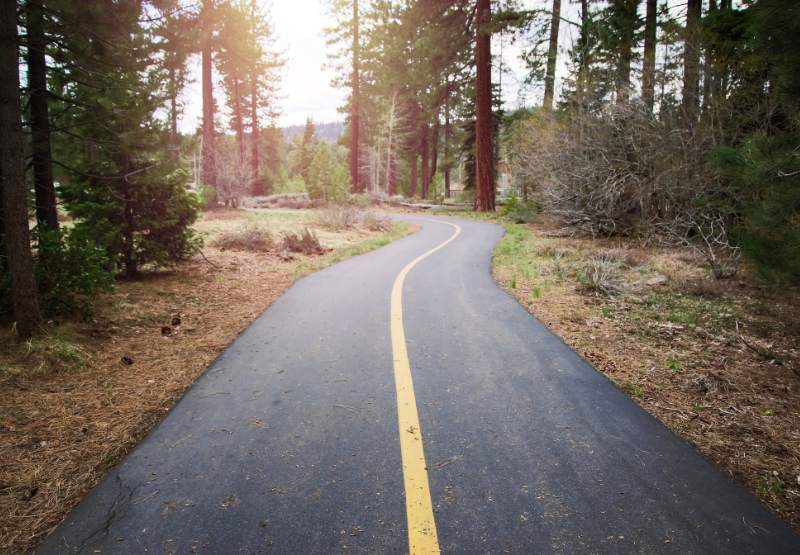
(129, 261)
(412, 185)
(691, 61)
(434, 150)
(649, 60)
(45, 192)
(626, 10)
(583, 64)
(209, 176)
(552, 57)
(254, 134)
(447, 145)
(391, 179)
(173, 109)
(3, 252)
(484, 172)
(709, 73)
(355, 102)
(424, 150)
(238, 120)
(722, 72)
(391, 188)
(24, 296)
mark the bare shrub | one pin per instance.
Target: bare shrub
(626, 172)
(245, 238)
(373, 222)
(339, 216)
(623, 257)
(304, 243)
(294, 201)
(706, 233)
(600, 275)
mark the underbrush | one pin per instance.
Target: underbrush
(714, 360)
(305, 242)
(339, 217)
(248, 237)
(51, 352)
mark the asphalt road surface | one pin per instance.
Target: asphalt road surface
(291, 441)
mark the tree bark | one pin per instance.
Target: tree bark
(45, 192)
(583, 64)
(627, 11)
(173, 110)
(691, 61)
(209, 171)
(484, 171)
(447, 147)
(254, 133)
(649, 60)
(24, 296)
(434, 150)
(3, 252)
(412, 185)
(392, 177)
(424, 150)
(552, 57)
(355, 101)
(238, 120)
(709, 73)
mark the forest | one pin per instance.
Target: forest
(675, 122)
(646, 183)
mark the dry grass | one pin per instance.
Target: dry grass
(671, 342)
(76, 400)
(304, 242)
(248, 237)
(340, 216)
(347, 216)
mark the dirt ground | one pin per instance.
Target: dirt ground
(80, 397)
(717, 361)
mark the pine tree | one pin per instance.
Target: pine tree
(125, 189)
(484, 155)
(649, 59)
(552, 56)
(691, 64)
(39, 118)
(308, 147)
(16, 241)
(209, 173)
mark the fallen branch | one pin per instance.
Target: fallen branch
(206, 259)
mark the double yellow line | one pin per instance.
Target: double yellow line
(422, 537)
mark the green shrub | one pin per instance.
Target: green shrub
(71, 269)
(142, 220)
(207, 197)
(520, 212)
(765, 172)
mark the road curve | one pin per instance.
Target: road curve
(289, 443)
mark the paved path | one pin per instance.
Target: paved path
(289, 442)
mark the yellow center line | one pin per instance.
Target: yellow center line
(422, 537)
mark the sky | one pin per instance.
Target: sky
(306, 89)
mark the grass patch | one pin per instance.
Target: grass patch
(634, 390)
(688, 311)
(50, 353)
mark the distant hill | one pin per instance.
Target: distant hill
(328, 132)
